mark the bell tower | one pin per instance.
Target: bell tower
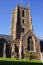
(21, 21)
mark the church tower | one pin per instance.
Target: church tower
(21, 21)
(21, 28)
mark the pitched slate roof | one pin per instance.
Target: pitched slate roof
(7, 37)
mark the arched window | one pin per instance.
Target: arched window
(23, 21)
(30, 44)
(23, 30)
(2, 40)
(8, 50)
(23, 13)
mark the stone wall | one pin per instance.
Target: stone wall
(36, 44)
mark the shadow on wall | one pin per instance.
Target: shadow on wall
(41, 45)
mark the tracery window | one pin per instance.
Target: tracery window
(30, 44)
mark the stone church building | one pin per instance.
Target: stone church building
(22, 38)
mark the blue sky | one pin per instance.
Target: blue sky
(36, 7)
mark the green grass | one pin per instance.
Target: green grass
(18, 60)
(10, 61)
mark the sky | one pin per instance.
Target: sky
(36, 8)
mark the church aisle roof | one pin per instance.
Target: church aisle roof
(9, 37)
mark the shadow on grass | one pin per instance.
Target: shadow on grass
(18, 63)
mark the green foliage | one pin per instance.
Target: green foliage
(32, 56)
(27, 55)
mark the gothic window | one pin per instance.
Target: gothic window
(23, 13)
(8, 50)
(23, 21)
(2, 40)
(23, 29)
(30, 44)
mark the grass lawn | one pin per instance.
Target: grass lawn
(10, 61)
